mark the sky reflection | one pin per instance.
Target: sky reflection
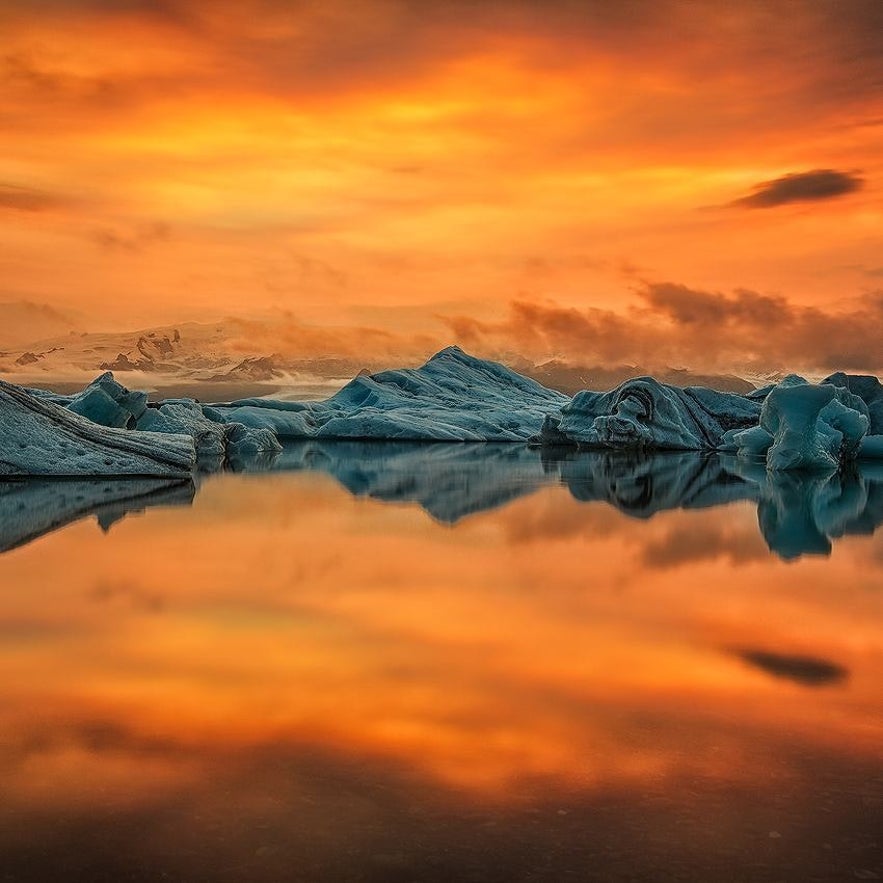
(287, 675)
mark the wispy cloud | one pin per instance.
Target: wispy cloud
(28, 199)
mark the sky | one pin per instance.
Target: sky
(648, 181)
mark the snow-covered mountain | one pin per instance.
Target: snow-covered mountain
(219, 352)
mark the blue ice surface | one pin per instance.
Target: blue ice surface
(455, 397)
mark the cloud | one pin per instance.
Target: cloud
(809, 671)
(689, 542)
(675, 325)
(369, 346)
(468, 141)
(27, 199)
(135, 241)
(820, 54)
(688, 306)
(815, 186)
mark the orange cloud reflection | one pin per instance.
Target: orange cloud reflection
(282, 612)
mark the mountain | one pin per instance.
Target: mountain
(189, 353)
(571, 379)
(258, 369)
(219, 352)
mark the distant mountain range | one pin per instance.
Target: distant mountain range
(215, 353)
(571, 379)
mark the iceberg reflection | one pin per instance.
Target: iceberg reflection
(449, 481)
(798, 513)
(802, 514)
(31, 508)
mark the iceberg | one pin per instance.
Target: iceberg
(789, 425)
(218, 445)
(109, 403)
(39, 437)
(869, 389)
(453, 397)
(812, 426)
(644, 414)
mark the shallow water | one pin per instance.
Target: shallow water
(444, 663)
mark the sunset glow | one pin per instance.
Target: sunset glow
(540, 178)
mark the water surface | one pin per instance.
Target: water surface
(444, 662)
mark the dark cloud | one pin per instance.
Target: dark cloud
(815, 186)
(807, 670)
(821, 55)
(687, 306)
(675, 325)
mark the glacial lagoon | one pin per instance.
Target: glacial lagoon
(444, 662)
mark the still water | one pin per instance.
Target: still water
(444, 663)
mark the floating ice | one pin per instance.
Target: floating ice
(217, 444)
(453, 397)
(809, 426)
(38, 437)
(109, 403)
(644, 414)
(869, 390)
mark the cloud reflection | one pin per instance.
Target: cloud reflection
(353, 690)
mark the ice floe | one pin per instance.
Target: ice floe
(39, 437)
(812, 426)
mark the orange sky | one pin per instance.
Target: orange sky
(599, 181)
